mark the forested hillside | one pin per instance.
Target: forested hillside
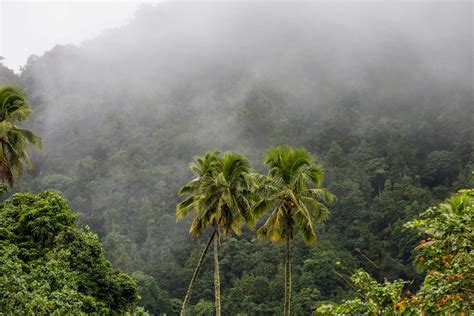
(387, 111)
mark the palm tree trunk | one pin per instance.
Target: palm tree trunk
(187, 298)
(286, 311)
(217, 281)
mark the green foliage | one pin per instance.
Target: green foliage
(14, 108)
(49, 265)
(446, 254)
(375, 298)
(155, 300)
(253, 295)
(202, 308)
(306, 301)
(292, 190)
(220, 195)
(438, 168)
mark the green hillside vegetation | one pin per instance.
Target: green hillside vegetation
(382, 171)
(49, 265)
(123, 115)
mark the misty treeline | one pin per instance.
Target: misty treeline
(380, 95)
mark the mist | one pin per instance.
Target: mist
(210, 57)
(181, 79)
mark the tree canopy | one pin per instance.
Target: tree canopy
(49, 265)
(445, 253)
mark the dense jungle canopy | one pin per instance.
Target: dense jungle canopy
(386, 111)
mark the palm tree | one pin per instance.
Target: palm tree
(219, 198)
(292, 190)
(14, 140)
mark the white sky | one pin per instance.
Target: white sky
(33, 27)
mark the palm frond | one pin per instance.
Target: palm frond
(292, 174)
(260, 207)
(183, 208)
(15, 160)
(14, 108)
(13, 104)
(317, 210)
(31, 137)
(321, 194)
(305, 224)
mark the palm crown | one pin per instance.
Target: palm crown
(14, 141)
(220, 195)
(293, 191)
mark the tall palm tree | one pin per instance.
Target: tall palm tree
(203, 167)
(292, 190)
(14, 108)
(219, 198)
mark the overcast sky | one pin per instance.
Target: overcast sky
(33, 27)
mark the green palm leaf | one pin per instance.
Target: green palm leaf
(14, 141)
